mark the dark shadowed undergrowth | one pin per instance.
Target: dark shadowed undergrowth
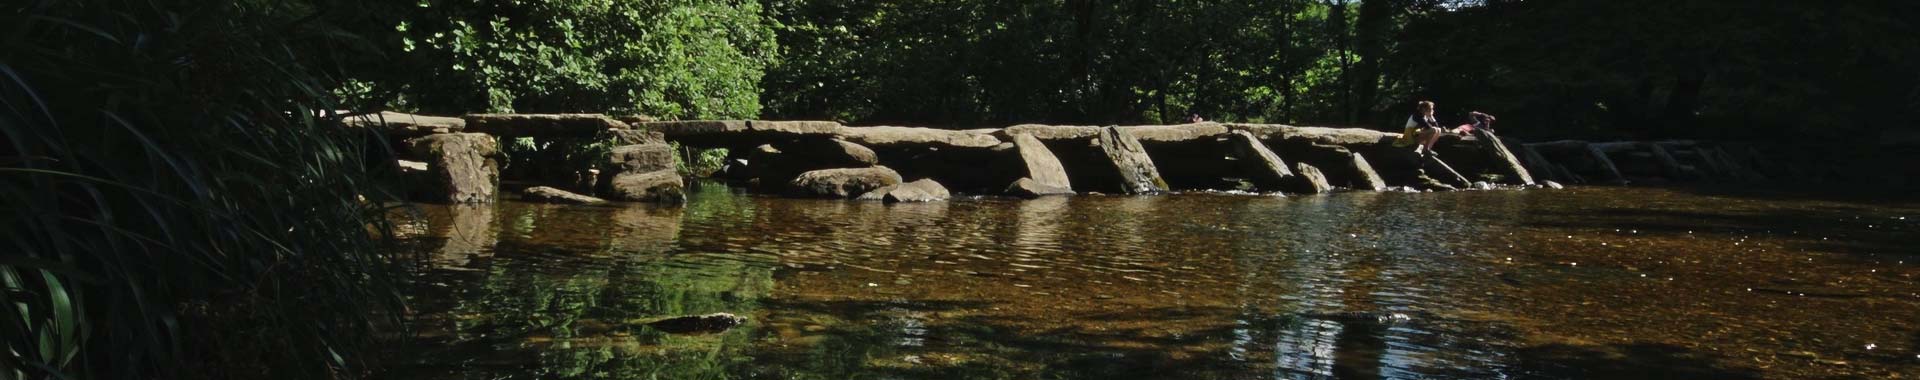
(178, 204)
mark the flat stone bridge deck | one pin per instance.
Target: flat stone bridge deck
(827, 159)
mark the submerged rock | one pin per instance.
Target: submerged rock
(925, 190)
(545, 194)
(698, 324)
(843, 183)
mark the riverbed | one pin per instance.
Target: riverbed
(1621, 283)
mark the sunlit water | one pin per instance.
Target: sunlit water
(1587, 283)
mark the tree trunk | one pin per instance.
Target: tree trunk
(1371, 36)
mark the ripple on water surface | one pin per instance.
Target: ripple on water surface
(1587, 283)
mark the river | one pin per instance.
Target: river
(1624, 283)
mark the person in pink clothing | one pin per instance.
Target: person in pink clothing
(1481, 121)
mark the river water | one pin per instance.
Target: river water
(1624, 283)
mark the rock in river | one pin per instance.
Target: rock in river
(462, 166)
(664, 186)
(1309, 179)
(925, 190)
(844, 183)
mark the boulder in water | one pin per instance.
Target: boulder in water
(1308, 179)
(662, 186)
(925, 190)
(1552, 185)
(461, 166)
(1038, 164)
(843, 183)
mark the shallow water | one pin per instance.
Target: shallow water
(1583, 283)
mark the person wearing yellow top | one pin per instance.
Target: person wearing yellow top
(1421, 130)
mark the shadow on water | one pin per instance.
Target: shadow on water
(1823, 226)
(1624, 362)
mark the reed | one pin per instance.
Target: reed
(180, 200)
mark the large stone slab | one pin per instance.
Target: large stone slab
(1266, 169)
(738, 134)
(1503, 160)
(407, 125)
(542, 125)
(1349, 137)
(1308, 179)
(1051, 132)
(1136, 170)
(1038, 164)
(909, 137)
(1363, 177)
(461, 167)
(843, 183)
(826, 153)
(1177, 133)
(678, 129)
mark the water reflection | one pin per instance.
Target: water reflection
(1351, 286)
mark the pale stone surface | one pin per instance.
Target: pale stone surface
(407, 125)
(843, 183)
(542, 125)
(1039, 164)
(908, 137)
(1177, 133)
(1052, 132)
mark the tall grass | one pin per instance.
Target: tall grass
(179, 202)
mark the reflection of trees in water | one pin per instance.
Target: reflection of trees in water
(570, 289)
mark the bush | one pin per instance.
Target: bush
(675, 59)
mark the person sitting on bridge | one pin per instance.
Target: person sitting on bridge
(1422, 130)
(1481, 121)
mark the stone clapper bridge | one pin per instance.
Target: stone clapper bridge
(457, 160)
